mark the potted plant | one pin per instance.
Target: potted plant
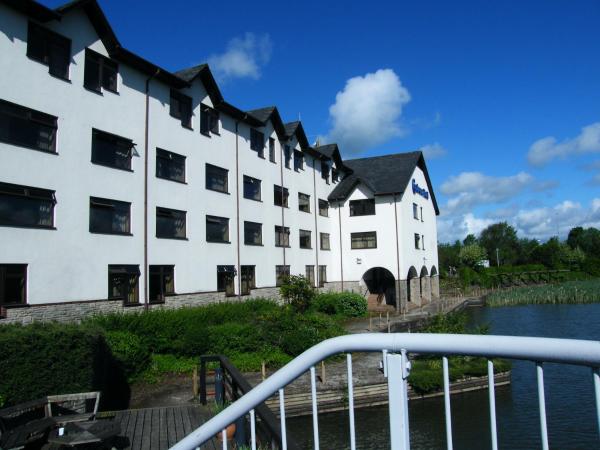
(230, 429)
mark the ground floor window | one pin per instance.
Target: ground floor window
(282, 273)
(310, 275)
(162, 282)
(226, 280)
(123, 283)
(322, 275)
(248, 279)
(13, 284)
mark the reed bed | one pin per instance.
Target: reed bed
(570, 292)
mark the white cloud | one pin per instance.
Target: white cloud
(432, 151)
(243, 57)
(366, 112)
(458, 227)
(547, 149)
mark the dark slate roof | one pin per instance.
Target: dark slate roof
(384, 175)
(191, 72)
(262, 114)
(327, 149)
(290, 128)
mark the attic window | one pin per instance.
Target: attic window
(209, 120)
(49, 48)
(298, 161)
(257, 142)
(181, 108)
(364, 207)
(335, 175)
(100, 72)
(325, 171)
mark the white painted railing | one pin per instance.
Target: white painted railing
(395, 349)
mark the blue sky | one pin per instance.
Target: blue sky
(503, 96)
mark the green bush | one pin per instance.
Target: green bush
(344, 304)
(129, 351)
(297, 292)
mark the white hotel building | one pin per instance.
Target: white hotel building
(124, 185)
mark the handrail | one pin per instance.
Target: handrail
(568, 351)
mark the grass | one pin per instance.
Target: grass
(570, 292)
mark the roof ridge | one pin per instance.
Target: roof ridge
(385, 156)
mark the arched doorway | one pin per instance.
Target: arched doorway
(381, 287)
(424, 286)
(435, 283)
(413, 289)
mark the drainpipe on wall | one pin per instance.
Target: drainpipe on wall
(146, 147)
(399, 297)
(282, 207)
(237, 204)
(341, 246)
(317, 240)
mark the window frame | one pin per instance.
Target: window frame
(125, 272)
(363, 237)
(117, 142)
(171, 158)
(97, 203)
(169, 212)
(248, 180)
(298, 161)
(182, 101)
(285, 195)
(29, 194)
(417, 241)
(257, 142)
(162, 271)
(304, 234)
(287, 153)
(221, 221)
(32, 118)
(306, 199)
(321, 236)
(248, 223)
(247, 284)
(282, 236)
(209, 121)
(323, 206)
(103, 64)
(216, 169)
(309, 274)
(415, 211)
(23, 276)
(321, 276)
(272, 156)
(226, 274)
(281, 272)
(49, 40)
(358, 207)
(325, 169)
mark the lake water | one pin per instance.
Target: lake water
(569, 396)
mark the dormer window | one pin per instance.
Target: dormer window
(335, 175)
(49, 48)
(100, 72)
(287, 153)
(257, 142)
(209, 120)
(325, 171)
(181, 108)
(298, 161)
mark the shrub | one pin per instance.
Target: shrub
(297, 292)
(345, 304)
(129, 351)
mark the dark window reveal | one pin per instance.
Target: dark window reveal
(282, 273)
(335, 175)
(226, 280)
(109, 216)
(415, 211)
(251, 188)
(123, 283)
(209, 120)
(363, 240)
(170, 166)
(325, 241)
(161, 283)
(27, 127)
(170, 223)
(322, 275)
(248, 279)
(417, 241)
(298, 161)
(216, 178)
(111, 150)
(49, 48)
(24, 206)
(364, 207)
(13, 284)
(310, 275)
(280, 196)
(272, 150)
(217, 229)
(282, 236)
(305, 239)
(181, 108)
(303, 202)
(287, 153)
(252, 233)
(100, 72)
(325, 171)
(323, 208)
(257, 142)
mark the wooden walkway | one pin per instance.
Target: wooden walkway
(160, 428)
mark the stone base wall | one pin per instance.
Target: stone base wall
(336, 286)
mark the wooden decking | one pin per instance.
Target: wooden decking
(160, 428)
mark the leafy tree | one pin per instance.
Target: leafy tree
(526, 249)
(503, 237)
(448, 255)
(549, 253)
(587, 239)
(472, 255)
(470, 240)
(297, 292)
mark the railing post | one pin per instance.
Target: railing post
(219, 386)
(202, 381)
(398, 368)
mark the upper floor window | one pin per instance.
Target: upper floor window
(323, 208)
(422, 242)
(305, 239)
(170, 166)
(325, 171)
(123, 283)
(287, 153)
(217, 229)
(170, 223)
(367, 239)
(257, 142)
(364, 207)
(49, 48)
(181, 108)
(325, 241)
(280, 196)
(100, 72)
(216, 178)
(303, 202)
(421, 208)
(161, 283)
(111, 150)
(24, 206)
(415, 211)
(298, 161)
(417, 241)
(27, 127)
(209, 120)
(282, 236)
(13, 284)
(272, 149)
(252, 233)
(109, 216)
(251, 188)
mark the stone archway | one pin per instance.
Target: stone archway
(413, 288)
(435, 283)
(381, 288)
(424, 286)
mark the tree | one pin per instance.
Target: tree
(448, 255)
(297, 292)
(503, 237)
(526, 249)
(549, 253)
(587, 239)
(472, 255)
(470, 240)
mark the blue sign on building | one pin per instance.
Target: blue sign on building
(419, 190)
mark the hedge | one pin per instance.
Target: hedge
(344, 304)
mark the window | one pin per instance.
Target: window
(24, 206)
(305, 239)
(323, 208)
(287, 153)
(252, 233)
(49, 48)
(181, 108)
(209, 120)
(111, 150)
(363, 240)
(217, 229)
(362, 207)
(13, 284)
(170, 223)
(248, 279)
(27, 127)
(422, 242)
(282, 236)
(251, 188)
(335, 175)
(325, 171)
(161, 283)
(282, 273)
(170, 166)
(310, 275)
(257, 142)
(322, 275)
(303, 202)
(226, 280)
(100, 72)
(298, 161)
(216, 179)
(123, 283)
(109, 216)
(417, 241)
(325, 241)
(415, 211)
(421, 214)
(272, 150)
(280, 196)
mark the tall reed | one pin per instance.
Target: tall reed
(570, 292)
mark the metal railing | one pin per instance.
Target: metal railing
(395, 349)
